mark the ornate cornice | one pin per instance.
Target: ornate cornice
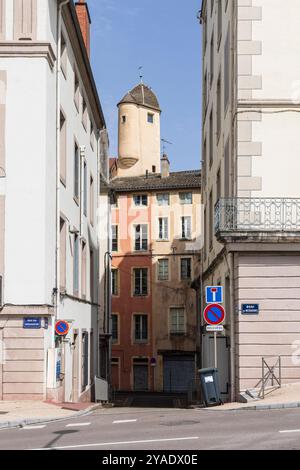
(31, 49)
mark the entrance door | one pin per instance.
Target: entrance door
(223, 360)
(75, 367)
(179, 373)
(140, 377)
(115, 374)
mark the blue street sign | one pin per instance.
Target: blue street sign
(250, 309)
(214, 295)
(34, 323)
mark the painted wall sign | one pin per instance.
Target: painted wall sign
(250, 309)
(33, 323)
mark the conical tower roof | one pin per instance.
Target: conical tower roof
(142, 95)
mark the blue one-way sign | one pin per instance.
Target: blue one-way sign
(214, 295)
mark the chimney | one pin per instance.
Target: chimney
(165, 166)
(84, 19)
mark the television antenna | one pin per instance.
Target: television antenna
(165, 143)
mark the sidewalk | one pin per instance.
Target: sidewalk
(22, 413)
(288, 396)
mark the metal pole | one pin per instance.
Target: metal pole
(216, 350)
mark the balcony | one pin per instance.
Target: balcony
(266, 219)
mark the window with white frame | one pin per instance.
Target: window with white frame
(140, 328)
(76, 91)
(85, 189)
(140, 200)
(186, 198)
(185, 269)
(141, 237)
(163, 228)
(163, 199)
(115, 281)
(76, 265)
(63, 56)
(76, 171)
(186, 227)
(84, 114)
(140, 282)
(163, 269)
(177, 320)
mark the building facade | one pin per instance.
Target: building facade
(50, 125)
(250, 189)
(155, 257)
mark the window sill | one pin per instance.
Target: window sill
(177, 334)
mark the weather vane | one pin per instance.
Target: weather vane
(141, 74)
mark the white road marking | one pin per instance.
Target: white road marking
(102, 444)
(289, 431)
(34, 427)
(71, 425)
(124, 421)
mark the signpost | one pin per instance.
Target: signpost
(214, 314)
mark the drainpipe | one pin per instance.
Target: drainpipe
(58, 93)
(232, 329)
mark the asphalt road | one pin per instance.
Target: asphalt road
(162, 429)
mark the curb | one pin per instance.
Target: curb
(30, 421)
(260, 407)
(271, 406)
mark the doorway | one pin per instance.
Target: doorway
(140, 375)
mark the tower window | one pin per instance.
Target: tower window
(123, 119)
(150, 118)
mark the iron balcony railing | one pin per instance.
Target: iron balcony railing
(257, 215)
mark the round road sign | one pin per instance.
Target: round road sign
(62, 328)
(214, 314)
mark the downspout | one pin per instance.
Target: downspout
(232, 330)
(234, 97)
(58, 94)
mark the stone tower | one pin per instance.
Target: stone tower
(139, 133)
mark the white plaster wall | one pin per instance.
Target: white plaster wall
(278, 64)
(279, 164)
(75, 130)
(26, 224)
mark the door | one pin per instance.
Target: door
(140, 377)
(179, 373)
(75, 367)
(115, 374)
(223, 358)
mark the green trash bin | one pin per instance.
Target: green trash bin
(209, 379)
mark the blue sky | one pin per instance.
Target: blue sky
(164, 37)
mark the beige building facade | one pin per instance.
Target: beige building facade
(250, 189)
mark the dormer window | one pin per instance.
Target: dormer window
(150, 118)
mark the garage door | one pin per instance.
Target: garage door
(179, 372)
